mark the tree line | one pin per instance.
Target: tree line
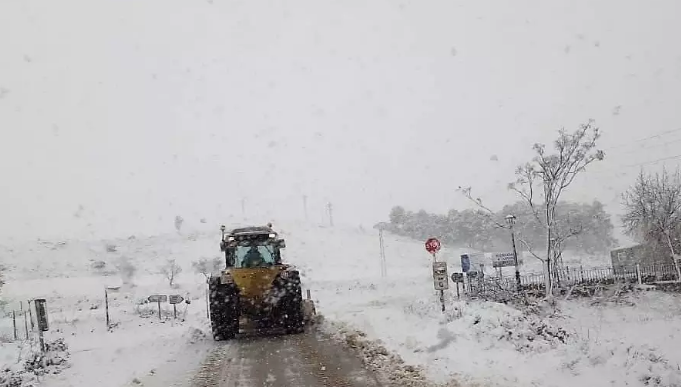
(479, 230)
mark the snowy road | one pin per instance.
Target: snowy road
(305, 360)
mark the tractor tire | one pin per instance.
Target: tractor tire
(224, 309)
(291, 315)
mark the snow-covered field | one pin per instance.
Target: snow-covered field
(579, 342)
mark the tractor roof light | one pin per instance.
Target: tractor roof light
(272, 236)
(229, 239)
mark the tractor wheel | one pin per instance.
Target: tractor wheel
(224, 309)
(291, 314)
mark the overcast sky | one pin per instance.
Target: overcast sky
(115, 116)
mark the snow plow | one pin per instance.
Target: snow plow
(256, 288)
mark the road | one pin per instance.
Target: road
(305, 360)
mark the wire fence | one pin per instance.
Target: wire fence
(487, 285)
(17, 323)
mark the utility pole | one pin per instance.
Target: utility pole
(330, 208)
(511, 222)
(384, 269)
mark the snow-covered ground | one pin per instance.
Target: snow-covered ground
(476, 343)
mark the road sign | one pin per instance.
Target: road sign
(465, 263)
(433, 245)
(503, 260)
(175, 299)
(158, 298)
(440, 278)
(457, 278)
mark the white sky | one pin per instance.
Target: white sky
(141, 110)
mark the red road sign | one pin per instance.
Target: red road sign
(433, 245)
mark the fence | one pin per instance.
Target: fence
(17, 323)
(645, 274)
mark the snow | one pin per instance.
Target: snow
(600, 341)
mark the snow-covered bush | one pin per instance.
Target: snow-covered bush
(32, 363)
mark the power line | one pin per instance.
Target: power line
(649, 147)
(652, 162)
(638, 164)
(658, 135)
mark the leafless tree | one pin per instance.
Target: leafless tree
(653, 210)
(171, 270)
(547, 176)
(541, 182)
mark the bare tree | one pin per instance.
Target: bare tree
(653, 210)
(207, 266)
(547, 176)
(541, 182)
(171, 270)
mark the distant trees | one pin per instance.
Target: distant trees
(478, 230)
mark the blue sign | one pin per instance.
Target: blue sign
(465, 263)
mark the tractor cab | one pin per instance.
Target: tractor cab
(251, 247)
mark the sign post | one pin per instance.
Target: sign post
(41, 317)
(158, 298)
(174, 300)
(106, 306)
(457, 278)
(440, 278)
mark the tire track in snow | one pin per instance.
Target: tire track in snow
(305, 360)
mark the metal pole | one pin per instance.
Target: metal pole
(42, 340)
(30, 314)
(207, 298)
(159, 310)
(382, 249)
(174, 311)
(26, 325)
(14, 324)
(442, 300)
(106, 307)
(515, 260)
